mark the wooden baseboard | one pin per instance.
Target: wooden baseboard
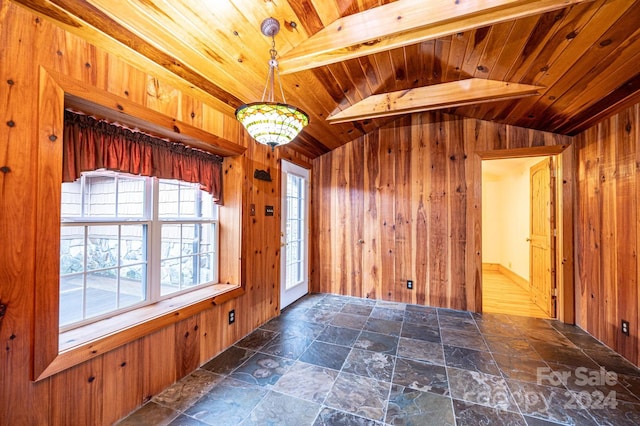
(496, 267)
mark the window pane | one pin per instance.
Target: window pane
(170, 276)
(102, 292)
(170, 241)
(206, 268)
(189, 266)
(206, 237)
(71, 205)
(130, 197)
(102, 247)
(188, 200)
(71, 299)
(168, 197)
(190, 239)
(132, 243)
(71, 249)
(100, 196)
(132, 287)
(208, 207)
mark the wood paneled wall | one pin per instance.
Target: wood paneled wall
(608, 235)
(108, 387)
(403, 202)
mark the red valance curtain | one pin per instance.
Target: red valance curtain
(91, 144)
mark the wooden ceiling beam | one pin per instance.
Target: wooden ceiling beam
(403, 23)
(437, 96)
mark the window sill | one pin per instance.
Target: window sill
(87, 342)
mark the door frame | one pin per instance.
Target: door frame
(564, 213)
(289, 167)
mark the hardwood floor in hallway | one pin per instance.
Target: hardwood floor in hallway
(501, 295)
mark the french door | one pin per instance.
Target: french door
(294, 256)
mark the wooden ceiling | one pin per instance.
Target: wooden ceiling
(582, 54)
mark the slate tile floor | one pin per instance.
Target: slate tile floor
(334, 360)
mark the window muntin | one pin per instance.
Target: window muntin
(128, 241)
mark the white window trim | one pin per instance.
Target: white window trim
(153, 246)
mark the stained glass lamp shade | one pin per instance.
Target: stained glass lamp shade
(268, 122)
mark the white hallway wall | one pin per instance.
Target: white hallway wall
(505, 213)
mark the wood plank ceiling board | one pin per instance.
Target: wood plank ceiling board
(214, 51)
(403, 23)
(571, 40)
(603, 44)
(438, 96)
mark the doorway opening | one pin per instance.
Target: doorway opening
(519, 210)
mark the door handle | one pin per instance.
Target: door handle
(528, 239)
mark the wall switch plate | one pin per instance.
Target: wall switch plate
(232, 316)
(625, 327)
(410, 284)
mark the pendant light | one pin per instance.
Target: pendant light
(269, 122)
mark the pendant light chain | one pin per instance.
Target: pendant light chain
(269, 87)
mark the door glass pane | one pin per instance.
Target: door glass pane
(294, 225)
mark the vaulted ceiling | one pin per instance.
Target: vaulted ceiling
(581, 56)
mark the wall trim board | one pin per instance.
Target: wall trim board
(108, 106)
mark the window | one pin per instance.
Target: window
(127, 241)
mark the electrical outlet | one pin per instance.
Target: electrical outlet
(410, 284)
(625, 327)
(232, 316)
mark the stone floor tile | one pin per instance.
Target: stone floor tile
(421, 350)
(470, 359)
(480, 388)
(234, 398)
(262, 369)
(377, 342)
(362, 396)
(257, 339)
(228, 360)
(409, 406)
(280, 409)
(150, 414)
(325, 355)
(421, 376)
(307, 381)
(383, 326)
(339, 335)
(468, 414)
(330, 417)
(376, 365)
(182, 394)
